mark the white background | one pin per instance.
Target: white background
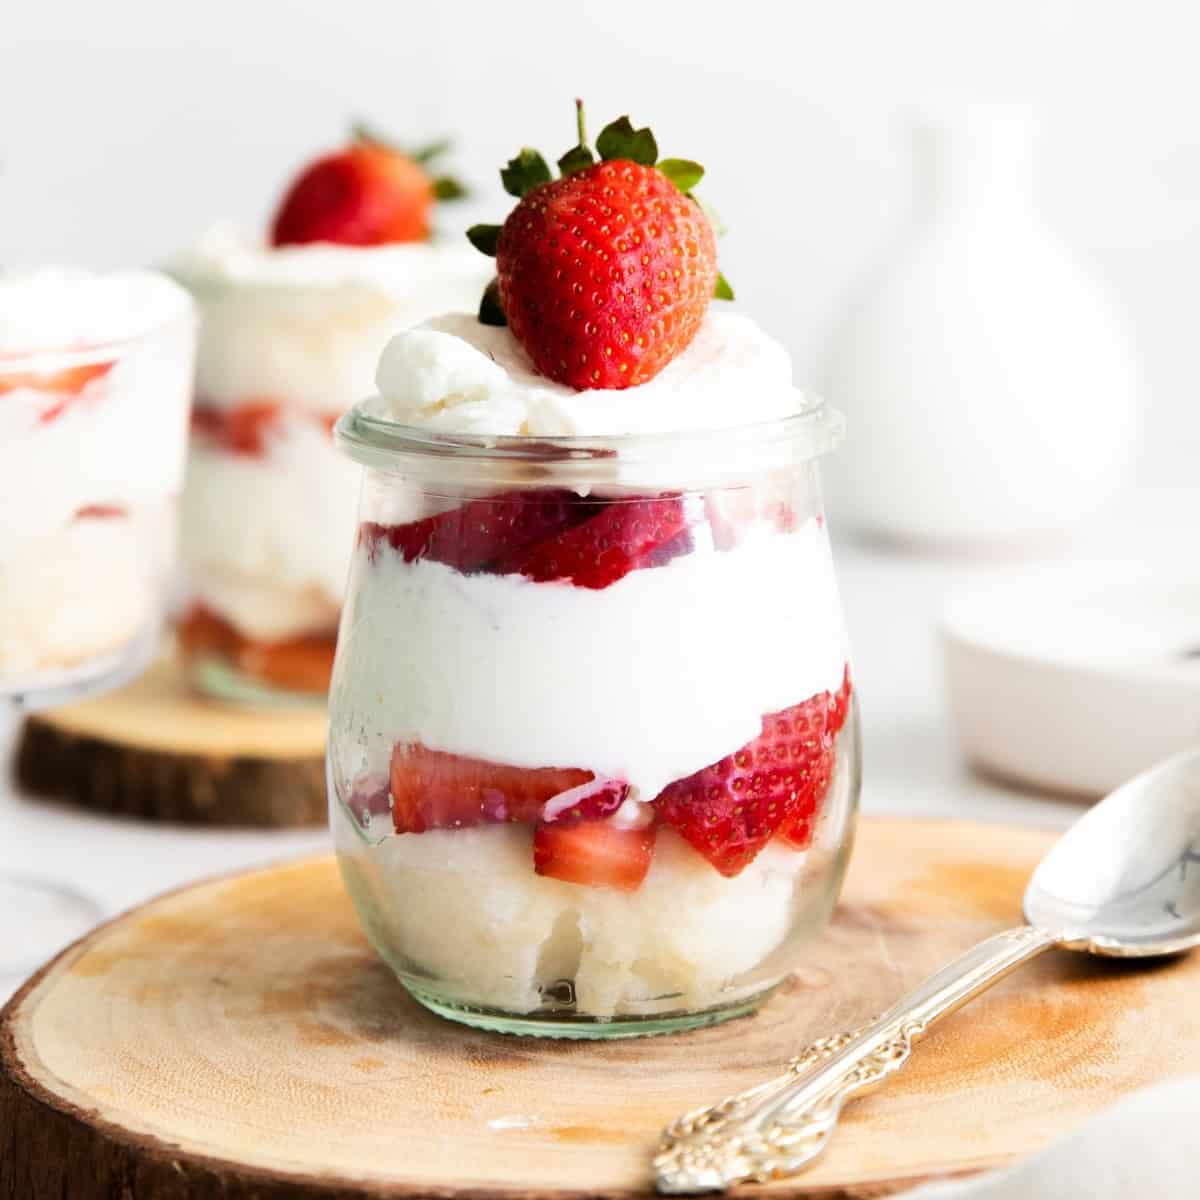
(127, 126)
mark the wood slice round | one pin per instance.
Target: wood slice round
(158, 750)
(239, 1039)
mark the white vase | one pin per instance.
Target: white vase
(990, 385)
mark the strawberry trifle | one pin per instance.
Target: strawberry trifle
(291, 331)
(95, 375)
(593, 754)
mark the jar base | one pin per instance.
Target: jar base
(104, 673)
(568, 1026)
(217, 678)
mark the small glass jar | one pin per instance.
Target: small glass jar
(289, 337)
(593, 754)
(92, 439)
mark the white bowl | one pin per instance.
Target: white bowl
(1074, 679)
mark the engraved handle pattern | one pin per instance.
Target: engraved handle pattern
(779, 1127)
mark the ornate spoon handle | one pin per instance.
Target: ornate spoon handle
(780, 1126)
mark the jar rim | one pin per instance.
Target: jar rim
(46, 359)
(807, 433)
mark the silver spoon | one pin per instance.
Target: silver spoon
(1123, 881)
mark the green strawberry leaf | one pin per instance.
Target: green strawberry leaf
(483, 238)
(525, 172)
(430, 152)
(490, 312)
(361, 131)
(682, 172)
(621, 140)
(722, 291)
(578, 158)
(446, 187)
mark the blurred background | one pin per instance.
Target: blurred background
(128, 127)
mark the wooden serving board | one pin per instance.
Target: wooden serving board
(158, 750)
(238, 1039)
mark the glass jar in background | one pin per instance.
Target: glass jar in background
(289, 337)
(593, 753)
(92, 434)
(95, 381)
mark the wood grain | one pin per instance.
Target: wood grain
(156, 750)
(239, 1039)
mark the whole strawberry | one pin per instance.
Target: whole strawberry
(367, 194)
(605, 274)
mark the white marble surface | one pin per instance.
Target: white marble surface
(912, 765)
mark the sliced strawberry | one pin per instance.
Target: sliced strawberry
(101, 512)
(621, 537)
(69, 382)
(592, 801)
(435, 790)
(471, 536)
(730, 810)
(595, 853)
(67, 385)
(298, 664)
(241, 430)
(798, 830)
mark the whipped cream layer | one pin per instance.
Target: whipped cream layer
(456, 375)
(267, 539)
(304, 325)
(548, 674)
(465, 908)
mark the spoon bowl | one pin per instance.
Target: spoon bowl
(1124, 880)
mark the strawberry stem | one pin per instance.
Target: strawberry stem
(580, 127)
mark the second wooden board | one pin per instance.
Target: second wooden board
(156, 749)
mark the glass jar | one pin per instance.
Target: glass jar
(593, 754)
(92, 442)
(289, 337)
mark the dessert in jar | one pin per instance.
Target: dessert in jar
(95, 381)
(290, 335)
(593, 749)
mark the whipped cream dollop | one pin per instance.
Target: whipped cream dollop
(223, 256)
(456, 375)
(65, 308)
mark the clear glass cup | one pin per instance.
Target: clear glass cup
(289, 338)
(91, 465)
(593, 755)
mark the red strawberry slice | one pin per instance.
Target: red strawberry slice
(730, 810)
(798, 830)
(101, 512)
(591, 801)
(435, 790)
(594, 853)
(240, 430)
(67, 384)
(621, 537)
(468, 538)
